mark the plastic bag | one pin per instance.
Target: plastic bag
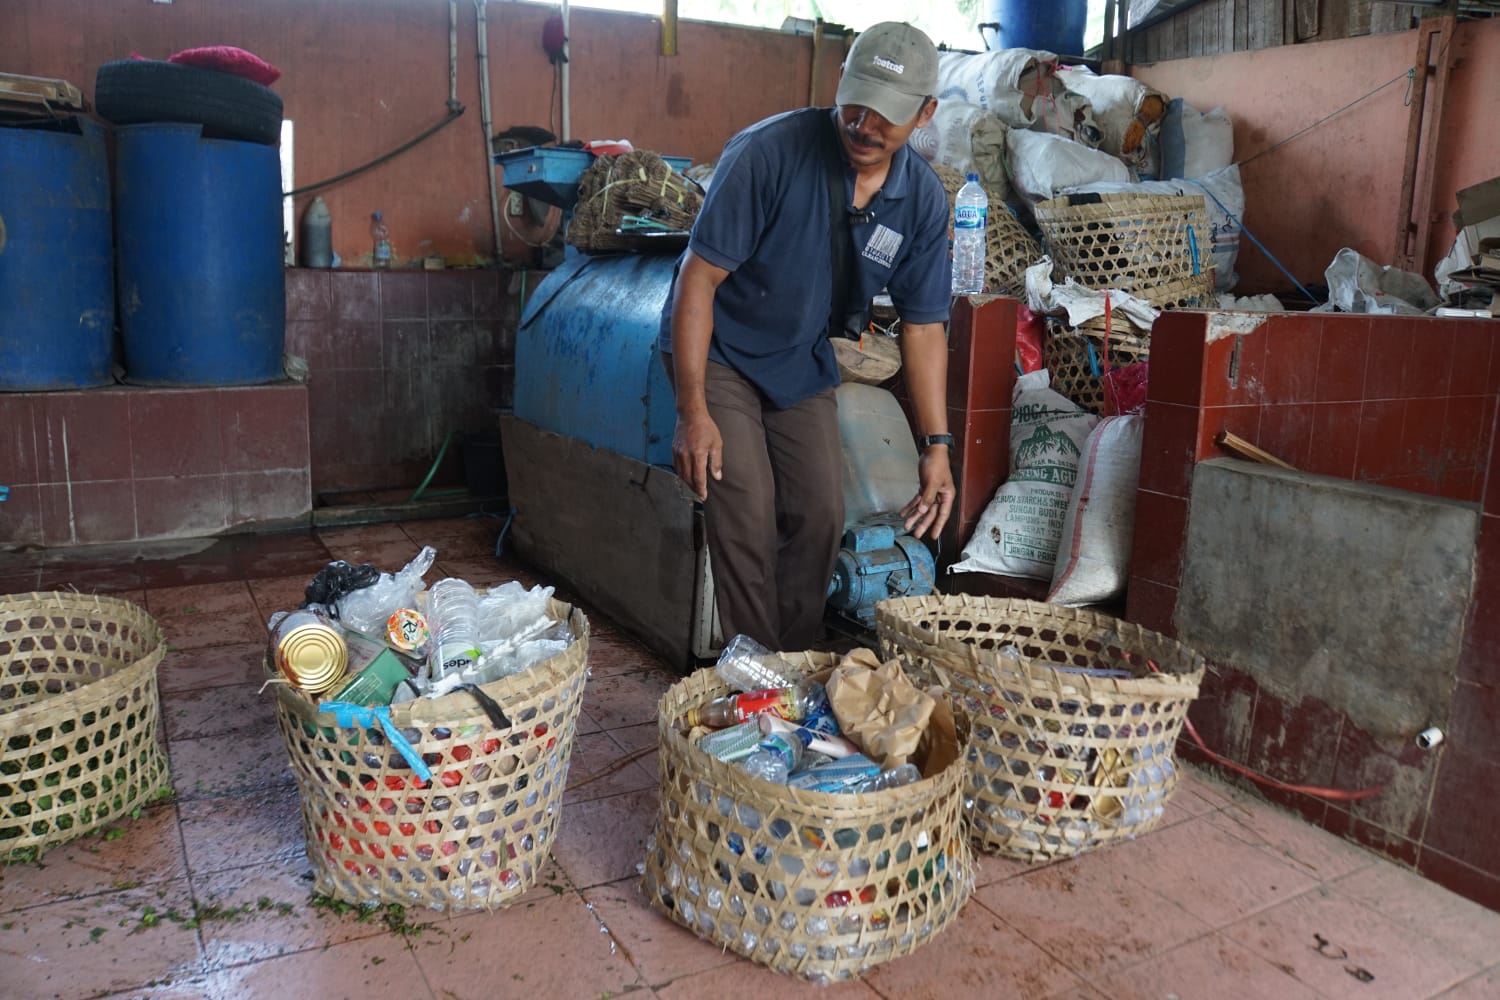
(1029, 330)
(369, 608)
(1042, 165)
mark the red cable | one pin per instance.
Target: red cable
(1329, 794)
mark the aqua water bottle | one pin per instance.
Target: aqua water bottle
(970, 214)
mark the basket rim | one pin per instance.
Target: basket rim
(94, 690)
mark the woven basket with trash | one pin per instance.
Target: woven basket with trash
(810, 814)
(78, 717)
(1075, 715)
(429, 732)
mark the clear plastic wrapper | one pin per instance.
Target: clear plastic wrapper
(369, 609)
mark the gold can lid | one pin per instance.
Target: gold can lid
(313, 657)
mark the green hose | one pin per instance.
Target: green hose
(433, 471)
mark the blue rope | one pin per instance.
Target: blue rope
(1269, 255)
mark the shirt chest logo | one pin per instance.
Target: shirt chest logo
(882, 246)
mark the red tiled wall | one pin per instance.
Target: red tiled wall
(125, 463)
(397, 361)
(1406, 403)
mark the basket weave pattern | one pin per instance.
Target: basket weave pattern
(818, 885)
(1072, 367)
(1009, 248)
(78, 715)
(1061, 762)
(1132, 242)
(477, 835)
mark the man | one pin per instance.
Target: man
(745, 331)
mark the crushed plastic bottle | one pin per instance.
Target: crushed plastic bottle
(746, 665)
(804, 699)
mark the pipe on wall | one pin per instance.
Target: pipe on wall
(481, 24)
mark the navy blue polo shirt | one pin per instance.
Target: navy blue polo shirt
(765, 221)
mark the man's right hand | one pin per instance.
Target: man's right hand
(698, 451)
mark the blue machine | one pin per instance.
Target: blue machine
(878, 560)
(57, 323)
(199, 254)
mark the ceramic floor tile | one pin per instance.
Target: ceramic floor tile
(1208, 968)
(282, 593)
(600, 767)
(483, 573)
(660, 949)
(380, 966)
(385, 546)
(202, 767)
(212, 667)
(992, 868)
(216, 614)
(1485, 986)
(1332, 943)
(84, 947)
(742, 979)
(457, 538)
(123, 854)
(618, 700)
(1214, 876)
(1092, 914)
(259, 826)
(602, 840)
(1289, 838)
(218, 711)
(1426, 909)
(247, 914)
(978, 955)
(551, 947)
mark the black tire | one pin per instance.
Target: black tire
(138, 91)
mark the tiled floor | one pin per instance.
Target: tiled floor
(1230, 897)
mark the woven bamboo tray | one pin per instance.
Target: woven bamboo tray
(78, 716)
(1009, 248)
(1133, 242)
(477, 835)
(817, 885)
(1071, 366)
(1061, 762)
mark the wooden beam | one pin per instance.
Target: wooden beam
(1433, 60)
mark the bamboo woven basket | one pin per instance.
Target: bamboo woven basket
(78, 716)
(1070, 363)
(477, 835)
(1133, 242)
(1009, 248)
(1061, 762)
(817, 885)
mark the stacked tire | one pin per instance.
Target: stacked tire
(140, 91)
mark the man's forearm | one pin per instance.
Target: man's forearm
(924, 359)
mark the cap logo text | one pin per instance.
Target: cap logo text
(890, 65)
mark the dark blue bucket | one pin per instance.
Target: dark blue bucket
(57, 291)
(199, 249)
(1051, 25)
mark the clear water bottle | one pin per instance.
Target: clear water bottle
(380, 233)
(746, 665)
(970, 214)
(906, 774)
(777, 756)
(453, 618)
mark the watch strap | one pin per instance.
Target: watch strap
(928, 440)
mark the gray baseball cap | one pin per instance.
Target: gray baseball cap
(890, 69)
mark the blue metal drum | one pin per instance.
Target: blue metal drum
(587, 364)
(57, 292)
(199, 253)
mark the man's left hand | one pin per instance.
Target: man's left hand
(930, 508)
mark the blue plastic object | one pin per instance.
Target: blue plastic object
(349, 715)
(57, 291)
(587, 365)
(1051, 25)
(199, 254)
(551, 175)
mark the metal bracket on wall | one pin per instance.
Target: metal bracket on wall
(1433, 61)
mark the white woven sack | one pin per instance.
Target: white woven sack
(1018, 532)
(1115, 100)
(1093, 556)
(1006, 81)
(970, 140)
(1042, 165)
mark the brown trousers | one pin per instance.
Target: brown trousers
(776, 518)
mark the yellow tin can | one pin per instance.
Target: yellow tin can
(311, 652)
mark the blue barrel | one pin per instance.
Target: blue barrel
(199, 252)
(1051, 25)
(586, 359)
(57, 290)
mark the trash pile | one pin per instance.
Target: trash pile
(857, 731)
(369, 638)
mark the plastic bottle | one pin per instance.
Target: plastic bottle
(380, 233)
(746, 665)
(777, 756)
(970, 215)
(317, 235)
(906, 774)
(795, 703)
(453, 617)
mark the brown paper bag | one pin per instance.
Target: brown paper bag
(878, 708)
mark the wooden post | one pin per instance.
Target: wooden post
(1433, 60)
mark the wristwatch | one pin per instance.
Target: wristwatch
(928, 440)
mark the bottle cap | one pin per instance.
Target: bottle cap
(971, 177)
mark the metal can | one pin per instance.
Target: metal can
(310, 651)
